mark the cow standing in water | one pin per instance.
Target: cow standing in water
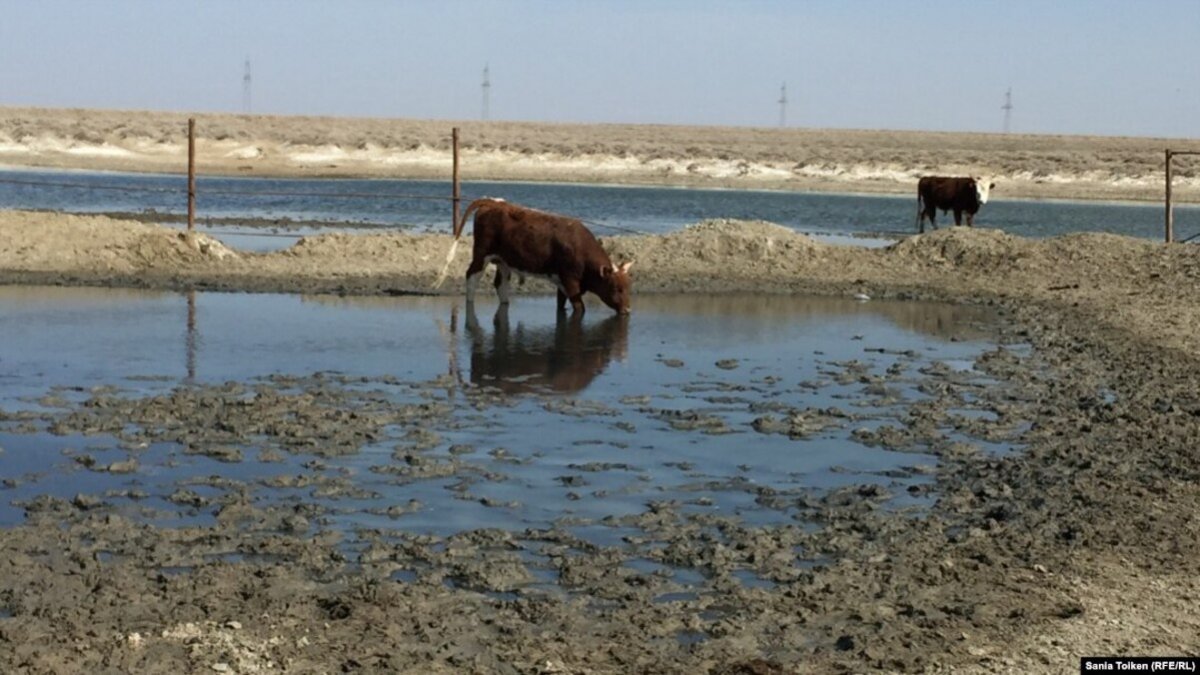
(536, 243)
(950, 194)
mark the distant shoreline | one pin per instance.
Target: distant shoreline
(857, 162)
(1115, 201)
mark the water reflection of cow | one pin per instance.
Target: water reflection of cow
(564, 358)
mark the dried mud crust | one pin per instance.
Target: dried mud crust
(1085, 542)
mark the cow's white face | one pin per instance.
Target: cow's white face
(982, 189)
(615, 287)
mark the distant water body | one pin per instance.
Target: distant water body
(608, 209)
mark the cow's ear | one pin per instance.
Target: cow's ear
(624, 268)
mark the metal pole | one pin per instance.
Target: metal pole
(191, 175)
(455, 195)
(191, 335)
(1170, 220)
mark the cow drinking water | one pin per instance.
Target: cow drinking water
(950, 194)
(536, 243)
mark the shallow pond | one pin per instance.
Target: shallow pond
(519, 418)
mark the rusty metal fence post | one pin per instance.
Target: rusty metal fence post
(1169, 216)
(455, 196)
(191, 185)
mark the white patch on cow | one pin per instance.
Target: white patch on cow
(472, 282)
(982, 189)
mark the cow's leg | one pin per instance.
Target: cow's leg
(472, 324)
(503, 282)
(473, 271)
(562, 295)
(970, 219)
(573, 292)
(500, 321)
(958, 216)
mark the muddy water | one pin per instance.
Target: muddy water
(417, 416)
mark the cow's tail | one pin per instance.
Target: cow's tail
(919, 226)
(458, 229)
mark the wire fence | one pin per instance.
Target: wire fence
(190, 191)
(219, 191)
(182, 190)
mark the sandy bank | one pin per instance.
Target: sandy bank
(1087, 167)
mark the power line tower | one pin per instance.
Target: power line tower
(246, 89)
(487, 90)
(783, 105)
(1007, 108)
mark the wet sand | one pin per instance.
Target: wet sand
(1083, 543)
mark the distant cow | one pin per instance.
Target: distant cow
(950, 194)
(536, 243)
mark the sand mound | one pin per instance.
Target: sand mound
(34, 241)
(960, 247)
(1099, 250)
(391, 248)
(753, 243)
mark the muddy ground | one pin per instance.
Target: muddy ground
(1084, 542)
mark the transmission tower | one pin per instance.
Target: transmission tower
(783, 105)
(487, 90)
(1007, 108)
(246, 89)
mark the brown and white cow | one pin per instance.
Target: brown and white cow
(961, 195)
(536, 243)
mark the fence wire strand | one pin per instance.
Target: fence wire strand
(279, 193)
(219, 191)
(126, 188)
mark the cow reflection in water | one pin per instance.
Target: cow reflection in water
(564, 358)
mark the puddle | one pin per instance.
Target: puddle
(749, 579)
(405, 576)
(702, 403)
(680, 596)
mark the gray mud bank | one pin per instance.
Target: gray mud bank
(1080, 539)
(949, 560)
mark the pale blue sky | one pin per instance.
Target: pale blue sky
(1100, 66)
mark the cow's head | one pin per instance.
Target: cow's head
(983, 188)
(616, 286)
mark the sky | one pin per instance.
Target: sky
(1074, 66)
